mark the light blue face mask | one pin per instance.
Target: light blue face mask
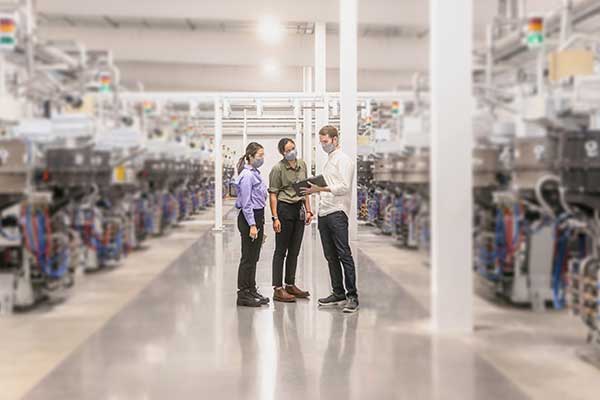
(258, 162)
(291, 155)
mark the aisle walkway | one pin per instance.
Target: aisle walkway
(184, 338)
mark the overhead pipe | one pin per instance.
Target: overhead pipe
(521, 9)
(489, 56)
(579, 37)
(54, 53)
(566, 25)
(79, 47)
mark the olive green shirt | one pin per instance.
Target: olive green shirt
(283, 176)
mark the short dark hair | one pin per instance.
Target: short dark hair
(329, 130)
(282, 143)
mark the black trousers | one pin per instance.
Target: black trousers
(287, 243)
(250, 249)
(333, 229)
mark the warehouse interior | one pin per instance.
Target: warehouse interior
(472, 130)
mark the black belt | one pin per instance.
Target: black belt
(299, 203)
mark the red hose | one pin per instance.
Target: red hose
(48, 232)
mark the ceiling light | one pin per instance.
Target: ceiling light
(271, 67)
(270, 30)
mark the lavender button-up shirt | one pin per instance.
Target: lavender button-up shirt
(251, 192)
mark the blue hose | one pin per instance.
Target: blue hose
(44, 260)
(558, 284)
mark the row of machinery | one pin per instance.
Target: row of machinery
(69, 202)
(536, 163)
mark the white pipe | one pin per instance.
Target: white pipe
(245, 131)
(208, 97)
(58, 54)
(2, 75)
(489, 59)
(541, 64)
(80, 47)
(522, 9)
(565, 21)
(298, 138)
(540, 196)
(563, 201)
(218, 166)
(578, 37)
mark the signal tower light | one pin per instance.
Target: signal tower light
(535, 32)
(8, 31)
(105, 83)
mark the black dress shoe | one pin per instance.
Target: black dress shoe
(246, 299)
(256, 294)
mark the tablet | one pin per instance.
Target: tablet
(318, 180)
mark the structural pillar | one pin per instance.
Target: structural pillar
(218, 166)
(307, 121)
(245, 132)
(348, 93)
(452, 106)
(299, 138)
(322, 115)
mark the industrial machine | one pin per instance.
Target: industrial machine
(82, 180)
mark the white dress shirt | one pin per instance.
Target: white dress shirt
(339, 175)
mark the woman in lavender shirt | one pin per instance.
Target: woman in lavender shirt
(251, 200)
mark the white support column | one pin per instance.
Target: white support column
(452, 105)
(308, 116)
(218, 166)
(298, 138)
(348, 92)
(322, 116)
(307, 134)
(245, 132)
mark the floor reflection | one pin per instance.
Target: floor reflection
(338, 361)
(184, 338)
(291, 372)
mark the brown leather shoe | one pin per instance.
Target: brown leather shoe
(279, 294)
(296, 291)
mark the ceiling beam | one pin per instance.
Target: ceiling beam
(111, 22)
(228, 48)
(190, 24)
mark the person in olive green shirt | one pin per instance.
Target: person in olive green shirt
(290, 213)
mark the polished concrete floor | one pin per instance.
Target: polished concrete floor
(183, 337)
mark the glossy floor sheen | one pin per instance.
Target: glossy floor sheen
(184, 338)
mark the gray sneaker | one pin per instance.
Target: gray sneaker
(332, 300)
(351, 306)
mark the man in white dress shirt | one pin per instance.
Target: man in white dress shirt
(334, 211)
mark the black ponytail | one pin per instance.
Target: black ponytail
(251, 151)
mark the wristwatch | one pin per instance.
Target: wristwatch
(274, 218)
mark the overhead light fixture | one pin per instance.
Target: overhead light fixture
(270, 30)
(271, 67)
